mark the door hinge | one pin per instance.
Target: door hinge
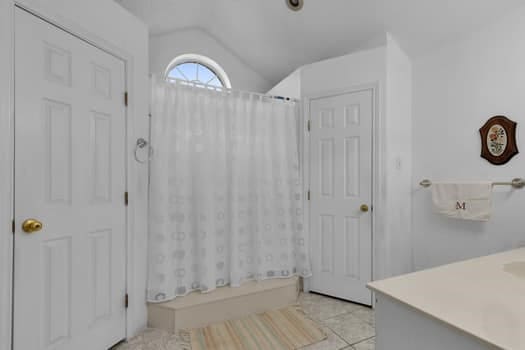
(126, 301)
(308, 194)
(309, 125)
(126, 98)
(126, 198)
(13, 226)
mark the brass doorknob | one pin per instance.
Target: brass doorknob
(32, 225)
(364, 208)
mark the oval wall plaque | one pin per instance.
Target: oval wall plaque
(498, 140)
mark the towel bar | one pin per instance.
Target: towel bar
(516, 183)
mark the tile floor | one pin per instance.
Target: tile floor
(348, 326)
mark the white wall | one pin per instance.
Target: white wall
(344, 72)
(398, 161)
(110, 26)
(389, 68)
(456, 89)
(365, 68)
(289, 86)
(164, 48)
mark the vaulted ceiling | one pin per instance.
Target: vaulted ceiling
(274, 40)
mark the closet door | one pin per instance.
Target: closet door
(341, 195)
(70, 238)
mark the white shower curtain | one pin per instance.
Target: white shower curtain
(225, 193)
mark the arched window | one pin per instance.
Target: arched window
(198, 69)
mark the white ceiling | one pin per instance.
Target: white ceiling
(274, 40)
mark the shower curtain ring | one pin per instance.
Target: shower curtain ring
(142, 143)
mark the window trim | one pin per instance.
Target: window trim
(203, 60)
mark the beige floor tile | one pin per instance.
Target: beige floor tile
(322, 308)
(310, 297)
(365, 314)
(369, 344)
(333, 342)
(350, 328)
(154, 339)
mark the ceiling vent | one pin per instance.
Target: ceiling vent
(295, 5)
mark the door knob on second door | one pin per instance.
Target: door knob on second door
(364, 208)
(31, 226)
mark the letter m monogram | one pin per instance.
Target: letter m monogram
(461, 206)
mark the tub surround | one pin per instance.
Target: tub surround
(227, 303)
(483, 298)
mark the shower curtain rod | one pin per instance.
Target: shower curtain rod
(223, 89)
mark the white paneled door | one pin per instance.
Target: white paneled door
(341, 195)
(69, 276)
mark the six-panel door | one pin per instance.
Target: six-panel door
(341, 195)
(69, 278)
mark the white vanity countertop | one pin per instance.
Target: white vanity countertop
(484, 297)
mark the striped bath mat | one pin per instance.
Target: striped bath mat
(284, 329)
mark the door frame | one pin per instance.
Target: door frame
(377, 147)
(7, 151)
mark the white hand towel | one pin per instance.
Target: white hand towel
(467, 201)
